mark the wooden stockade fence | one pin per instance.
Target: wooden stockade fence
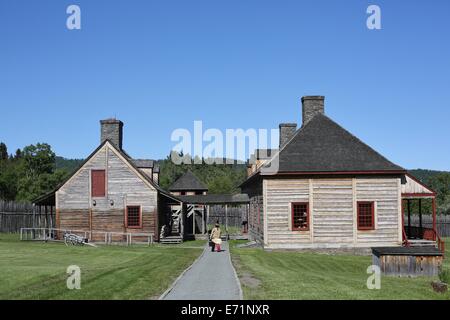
(231, 219)
(17, 215)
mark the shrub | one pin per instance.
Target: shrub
(444, 275)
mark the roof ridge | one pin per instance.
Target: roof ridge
(188, 181)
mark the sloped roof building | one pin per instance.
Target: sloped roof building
(325, 188)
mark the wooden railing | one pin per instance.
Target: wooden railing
(107, 237)
(405, 239)
(414, 232)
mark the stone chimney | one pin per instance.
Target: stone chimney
(312, 106)
(287, 131)
(112, 130)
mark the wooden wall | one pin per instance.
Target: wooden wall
(256, 219)
(124, 188)
(332, 208)
(385, 193)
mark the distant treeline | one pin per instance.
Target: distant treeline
(35, 170)
(220, 178)
(29, 172)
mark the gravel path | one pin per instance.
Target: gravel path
(211, 277)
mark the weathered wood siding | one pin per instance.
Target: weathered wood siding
(408, 265)
(256, 219)
(147, 171)
(385, 194)
(124, 188)
(279, 196)
(332, 212)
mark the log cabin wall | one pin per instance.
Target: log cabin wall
(332, 212)
(124, 188)
(256, 211)
(256, 219)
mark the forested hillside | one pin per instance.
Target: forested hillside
(219, 178)
(69, 165)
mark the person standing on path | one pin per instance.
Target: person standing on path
(216, 238)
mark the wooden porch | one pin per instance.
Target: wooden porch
(414, 195)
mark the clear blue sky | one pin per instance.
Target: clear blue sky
(160, 65)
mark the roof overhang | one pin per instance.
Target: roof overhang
(412, 188)
(48, 199)
(216, 199)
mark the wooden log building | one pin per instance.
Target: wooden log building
(325, 188)
(111, 192)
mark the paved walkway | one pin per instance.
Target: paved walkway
(211, 277)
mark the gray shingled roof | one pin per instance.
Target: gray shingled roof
(324, 146)
(265, 153)
(187, 181)
(143, 163)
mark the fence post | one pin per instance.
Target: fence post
(226, 218)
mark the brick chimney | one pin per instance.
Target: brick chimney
(312, 106)
(112, 130)
(287, 131)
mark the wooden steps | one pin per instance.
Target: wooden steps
(171, 240)
(421, 243)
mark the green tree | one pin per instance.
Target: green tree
(37, 174)
(38, 159)
(441, 184)
(18, 154)
(9, 176)
(3, 152)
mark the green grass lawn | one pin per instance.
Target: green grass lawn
(36, 270)
(295, 275)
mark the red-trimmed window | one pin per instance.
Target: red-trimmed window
(134, 217)
(300, 216)
(98, 183)
(366, 216)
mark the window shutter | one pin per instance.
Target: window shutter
(98, 183)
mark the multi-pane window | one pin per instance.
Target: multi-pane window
(133, 217)
(366, 219)
(98, 183)
(300, 216)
